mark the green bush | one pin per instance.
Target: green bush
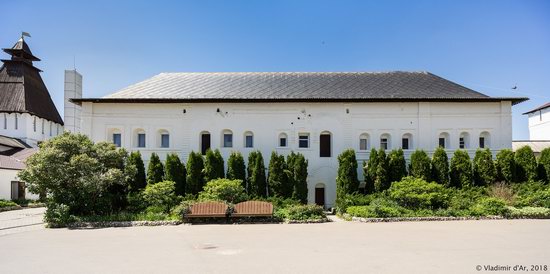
(230, 191)
(461, 169)
(544, 163)
(297, 175)
(490, 206)
(236, 169)
(346, 180)
(213, 165)
(360, 211)
(301, 213)
(440, 166)
(155, 170)
(369, 171)
(256, 175)
(526, 164)
(461, 200)
(161, 195)
(379, 208)
(138, 181)
(535, 194)
(397, 166)
(58, 215)
(277, 180)
(88, 178)
(175, 172)
(529, 212)
(416, 193)
(195, 177)
(5, 204)
(484, 168)
(381, 180)
(506, 166)
(420, 166)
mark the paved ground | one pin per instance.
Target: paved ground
(21, 220)
(338, 247)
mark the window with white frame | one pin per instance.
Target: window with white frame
(227, 138)
(50, 123)
(16, 121)
(117, 139)
(303, 140)
(43, 121)
(385, 141)
(5, 121)
(139, 138)
(248, 139)
(283, 140)
(484, 140)
(406, 141)
(163, 139)
(364, 142)
(464, 140)
(444, 140)
(34, 124)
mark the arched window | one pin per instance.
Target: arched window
(364, 142)
(43, 126)
(407, 141)
(385, 141)
(163, 138)
(325, 146)
(484, 140)
(116, 136)
(227, 138)
(248, 139)
(464, 140)
(444, 140)
(205, 142)
(283, 140)
(139, 138)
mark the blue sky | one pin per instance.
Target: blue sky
(489, 46)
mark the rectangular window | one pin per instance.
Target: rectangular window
(461, 143)
(384, 143)
(303, 140)
(363, 144)
(56, 130)
(117, 139)
(5, 121)
(248, 141)
(42, 126)
(141, 140)
(164, 140)
(50, 128)
(442, 142)
(324, 145)
(405, 143)
(228, 140)
(282, 142)
(481, 142)
(34, 124)
(16, 121)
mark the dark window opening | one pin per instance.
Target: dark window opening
(324, 145)
(405, 143)
(205, 143)
(442, 142)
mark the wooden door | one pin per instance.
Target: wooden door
(320, 196)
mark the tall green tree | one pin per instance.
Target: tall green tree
(420, 165)
(484, 167)
(277, 179)
(155, 170)
(213, 165)
(195, 176)
(506, 166)
(544, 163)
(138, 182)
(175, 172)
(346, 180)
(381, 181)
(369, 171)
(440, 166)
(257, 185)
(236, 169)
(461, 169)
(526, 164)
(298, 164)
(397, 166)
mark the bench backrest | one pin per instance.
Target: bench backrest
(253, 208)
(208, 208)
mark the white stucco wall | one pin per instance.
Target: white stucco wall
(25, 129)
(6, 177)
(539, 125)
(424, 121)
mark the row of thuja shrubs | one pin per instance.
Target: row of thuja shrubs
(482, 187)
(83, 180)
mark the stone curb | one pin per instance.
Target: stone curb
(10, 208)
(122, 224)
(314, 221)
(425, 219)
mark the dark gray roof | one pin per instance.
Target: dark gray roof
(22, 90)
(294, 86)
(547, 105)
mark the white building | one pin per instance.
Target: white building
(539, 123)
(316, 114)
(28, 116)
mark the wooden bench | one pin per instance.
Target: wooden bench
(207, 209)
(253, 209)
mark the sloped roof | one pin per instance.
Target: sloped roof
(547, 105)
(22, 90)
(296, 86)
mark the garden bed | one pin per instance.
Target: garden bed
(434, 218)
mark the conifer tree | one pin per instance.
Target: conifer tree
(277, 179)
(420, 165)
(346, 180)
(195, 176)
(213, 165)
(440, 166)
(155, 170)
(526, 164)
(461, 169)
(299, 181)
(174, 171)
(484, 167)
(506, 166)
(138, 181)
(369, 171)
(236, 169)
(381, 181)
(397, 166)
(544, 164)
(256, 180)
